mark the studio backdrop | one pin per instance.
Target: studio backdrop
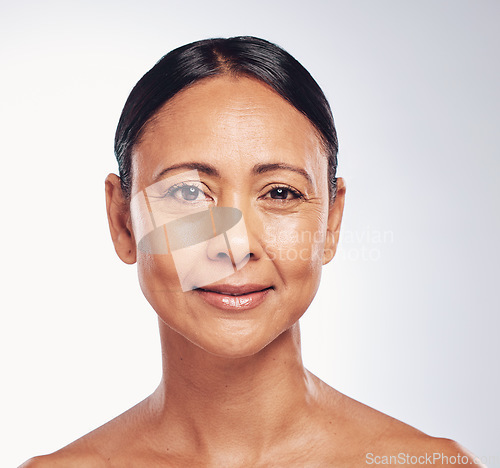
(407, 317)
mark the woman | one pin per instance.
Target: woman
(227, 200)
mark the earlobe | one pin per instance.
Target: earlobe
(334, 221)
(119, 220)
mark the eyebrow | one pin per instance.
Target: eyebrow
(262, 168)
(257, 169)
(204, 168)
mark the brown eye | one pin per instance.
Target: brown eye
(279, 193)
(283, 193)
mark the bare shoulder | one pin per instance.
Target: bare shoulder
(447, 452)
(85, 452)
(65, 458)
(370, 437)
(421, 450)
(105, 446)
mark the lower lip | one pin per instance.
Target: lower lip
(227, 302)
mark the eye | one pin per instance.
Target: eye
(283, 193)
(279, 193)
(187, 193)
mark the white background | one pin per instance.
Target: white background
(409, 325)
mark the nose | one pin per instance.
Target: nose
(231, 240)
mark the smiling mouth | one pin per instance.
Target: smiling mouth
(236, 290)
(231, 297)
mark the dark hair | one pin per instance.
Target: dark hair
(243, 55)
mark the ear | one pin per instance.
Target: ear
(120, 224)
(334, 220)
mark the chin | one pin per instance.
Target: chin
(236, 345)
(249, 343)
(236, 350)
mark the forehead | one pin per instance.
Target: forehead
(226, 119)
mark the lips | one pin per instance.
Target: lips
(234, 297)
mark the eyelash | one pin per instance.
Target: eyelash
(177, 187)
(296, 194)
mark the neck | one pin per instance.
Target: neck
(222, 404)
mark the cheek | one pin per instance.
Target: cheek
(162, 288)
(296, 245)
(157, 276)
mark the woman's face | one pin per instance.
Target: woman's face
(233, 142)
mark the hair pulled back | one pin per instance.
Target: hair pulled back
(242, 55)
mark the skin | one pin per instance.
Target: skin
(234, 391)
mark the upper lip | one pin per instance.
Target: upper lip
(236, 290)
